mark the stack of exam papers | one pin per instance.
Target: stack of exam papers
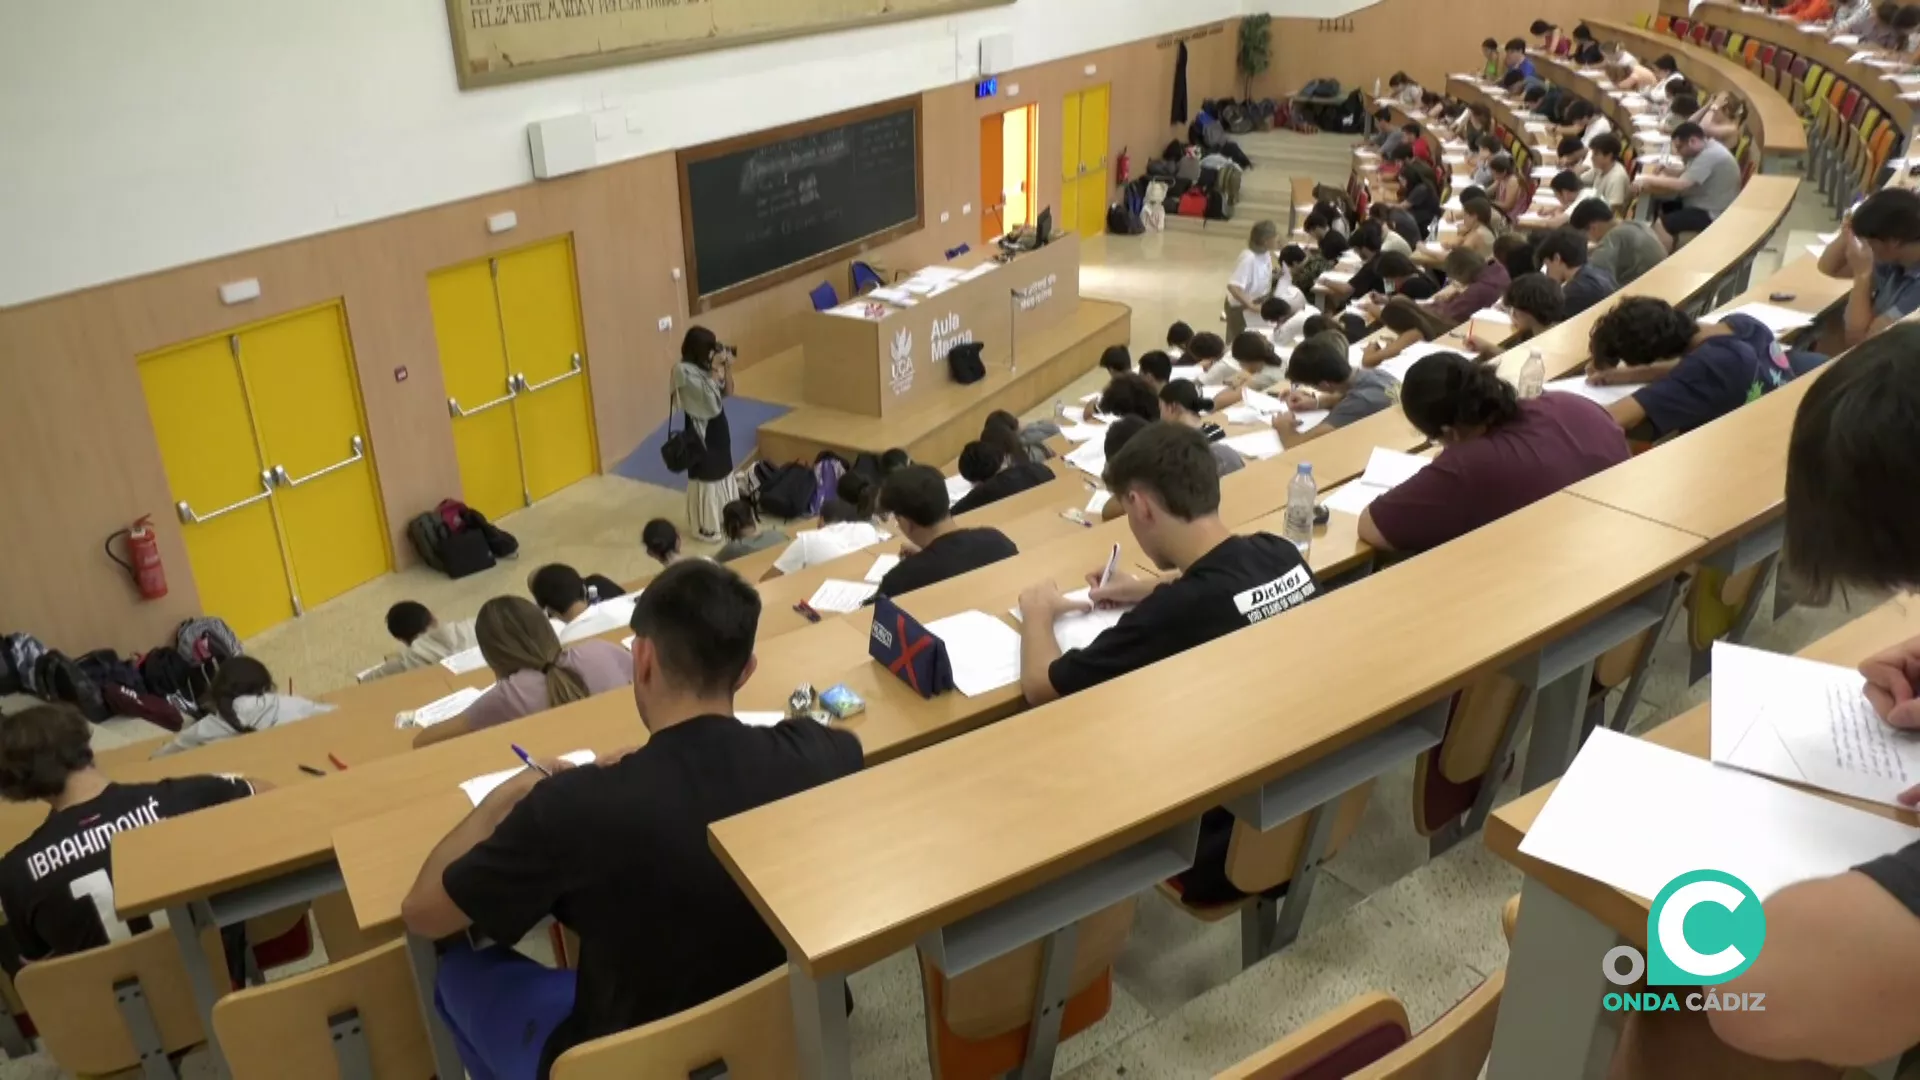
(446, 708)
(1077, 629)
(464, 661)
(984, 652)
(840, 597)
(600, 618)
(480, 787)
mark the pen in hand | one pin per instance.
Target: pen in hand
(530, 763)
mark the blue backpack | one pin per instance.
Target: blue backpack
(828, 468)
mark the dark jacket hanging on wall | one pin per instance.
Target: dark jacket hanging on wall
(1180, 85)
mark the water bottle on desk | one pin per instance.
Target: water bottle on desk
(1533, 375)
(1301, 495)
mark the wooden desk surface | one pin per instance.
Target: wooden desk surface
(974, 821)
(1887, 625)
(1771, 119)
(1788, 34)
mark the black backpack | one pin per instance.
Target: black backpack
(867, 466)
(964, 363)
(105, 666)
(1219, 207)
(787, 490)
(61, 679)
(426, 532)
(23, 653)
(502, 543)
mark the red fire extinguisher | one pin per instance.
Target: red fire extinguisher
(143, 549)
(1123, 169)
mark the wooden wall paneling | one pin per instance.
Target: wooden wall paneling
(1428, 39)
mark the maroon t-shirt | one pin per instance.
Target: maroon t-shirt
(1557, 439)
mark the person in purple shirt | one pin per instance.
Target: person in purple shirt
(535, 673)
(1694, 372)
(1498, 454)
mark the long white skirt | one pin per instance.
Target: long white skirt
(705, 500)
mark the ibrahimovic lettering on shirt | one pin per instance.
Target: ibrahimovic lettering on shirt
(1263, 602)
(91, 838)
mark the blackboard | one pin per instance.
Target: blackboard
(763, 208)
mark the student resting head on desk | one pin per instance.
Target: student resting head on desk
(1179, 335)
(534, 672)
(54, 885)
(243, 699)
(1323, 378)
(617, 850)
(1515, 252)
(1573, 156)
(996, 474)
(1879, 250)
(1157, 368)
(424, 639)
(1166, 483)
(1410, 324)
(661, 539)
(1209, 353)
(843, 530)
(565, 596)
(1116, 359)
(934, 547)
(1181, 403)
(1534, 302)
(1259, 367)
(1498, 453)
(1841, 966)
(1130, 395)
(741, 524)
(1695, 372)
(1475, 280)
(1027, 441)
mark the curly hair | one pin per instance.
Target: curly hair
(39, 748)
(1641, 330)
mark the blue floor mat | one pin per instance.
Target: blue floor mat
(744, 417)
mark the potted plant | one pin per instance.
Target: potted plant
(1256, 49)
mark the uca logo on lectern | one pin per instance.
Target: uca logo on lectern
(901, 373)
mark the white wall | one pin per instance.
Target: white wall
(135, 136)
(1308, 9)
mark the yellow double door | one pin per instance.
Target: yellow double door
(1085, 173)
(513, 358)
(266, 452)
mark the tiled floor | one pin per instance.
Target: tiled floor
(1384, 917)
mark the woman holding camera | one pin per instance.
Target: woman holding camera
(701, 382)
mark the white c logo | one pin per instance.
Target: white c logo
(1673, 920)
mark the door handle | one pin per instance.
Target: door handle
(521, 380)
(454, 409)
(188, 517)
(281, 478)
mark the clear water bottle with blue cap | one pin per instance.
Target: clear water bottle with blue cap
(1302, 492)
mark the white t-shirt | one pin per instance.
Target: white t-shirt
(1289, 333)
(1596, 127)
(1284, 289)
(1254, 274)
(1221, 373)
(1612, 187)
(1393, 241)
(823, 544)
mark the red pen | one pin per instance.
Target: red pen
(337, 763)
(806, 610)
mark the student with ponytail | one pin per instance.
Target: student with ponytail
(534, 672)
(1498, 454)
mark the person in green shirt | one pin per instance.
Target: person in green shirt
(1491, 70)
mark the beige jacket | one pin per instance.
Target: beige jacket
(438, 643)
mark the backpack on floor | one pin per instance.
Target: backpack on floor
(126, 701)
(426, 532)
(786, 491)
(828, 468)
(1219, 206)
(867, 465)
(23, 653)
(61, 679)
(1193, 203)
(105, 666)
(453, 513)
(167, 674)
(9, 678)
(206, 639)
(502, 543)
(1234, 117)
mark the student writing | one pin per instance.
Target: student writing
(424, 639)
(933, 546)
(534, 672)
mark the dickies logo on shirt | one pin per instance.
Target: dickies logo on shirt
(1263, 602)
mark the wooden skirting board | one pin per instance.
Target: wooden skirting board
(1048, 360)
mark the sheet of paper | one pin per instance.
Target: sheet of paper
(1243, 414)
(982, 270)
(1492, 317)
(1846, 39)
(1087, 399)
(892, 296)
(1079, 433)
(464, 661)
(1353, 497)
(1778, 319)
(1391, 468)
(1077, 629)
(1261, 402)
(1258, 445)
(627, 642)
(1400, 365)
(957, 488)
(1578, 385)
(1635, 815)
(841, 597)
(1189, 372)
(984, 651)
(880, 567)
(446, 708)
(1097, 502)
(1073, 414)
(600, 618)
(1802, 720)
(363, 676)
(759, 719)
(939, 274)
(480, 787)
(1545, 172)
(1304, 422)
(1089, 457)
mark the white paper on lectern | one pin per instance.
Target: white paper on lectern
(957, 488)
(984, 652)
(464, 661)
(1635, 815)
(1778, 319)
(1089, 457)
(1797, 719)
(1412, 354)
(1604, 395)
(600, 618)
(841, 597)
(480, 787)
(880, 567)
(440, 709)
(1256, 444)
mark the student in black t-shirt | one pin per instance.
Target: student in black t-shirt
(1166, 481)
(56, 886)
(996, 474)
(1840, 969)
(936, 547)
(617, 850)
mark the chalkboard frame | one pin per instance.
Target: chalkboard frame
(698, 303)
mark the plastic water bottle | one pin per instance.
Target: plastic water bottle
(1301, 495)
(1533, 375)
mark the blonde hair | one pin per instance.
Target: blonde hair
(515, 636)
(1264, 233)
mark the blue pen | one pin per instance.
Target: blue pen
(531, 764)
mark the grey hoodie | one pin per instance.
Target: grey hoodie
(439, 642)
(255, 713)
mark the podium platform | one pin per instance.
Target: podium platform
(941, 417)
